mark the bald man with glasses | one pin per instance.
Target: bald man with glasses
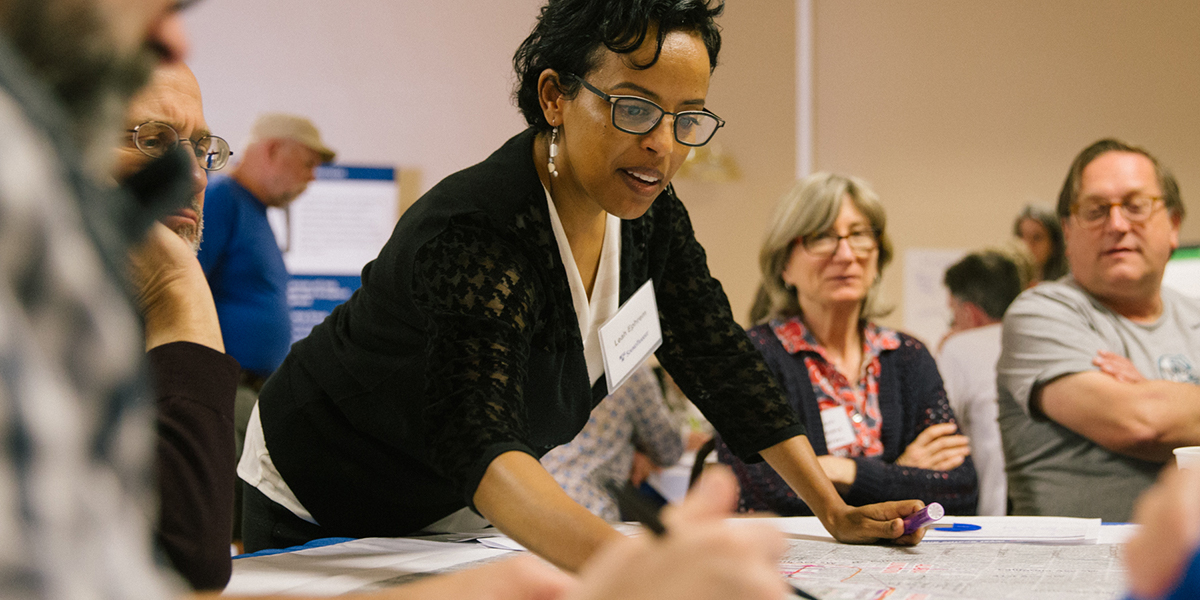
(1098, 377)
(194, 382)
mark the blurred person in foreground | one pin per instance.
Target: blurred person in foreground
(1098, 377)
(981, 286)
(870, 396)
(77, 426)
(1163, 558)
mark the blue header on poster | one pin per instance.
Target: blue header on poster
(334, 172)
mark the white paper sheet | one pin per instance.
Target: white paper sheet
(1045, 530)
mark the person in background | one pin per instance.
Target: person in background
(981, 285)
(472, 347)
(632, 420)
(1163, 557)
(871, 397)
(240, 256)
(242, 260)
(1098, 372)
(192, 378)
(1038, 228)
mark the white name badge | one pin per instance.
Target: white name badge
(839, 433)
(630, 336)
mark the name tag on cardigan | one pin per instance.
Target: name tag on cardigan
(839, 433)
(630, 336)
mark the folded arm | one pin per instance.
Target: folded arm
(1144, 420)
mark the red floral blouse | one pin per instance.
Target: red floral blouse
(859, 399)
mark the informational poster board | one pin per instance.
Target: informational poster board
(926, 308)
(334, 228)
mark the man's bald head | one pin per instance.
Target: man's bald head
(171, 98)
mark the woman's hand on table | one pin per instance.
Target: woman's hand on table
(882, 522)
(937, 448)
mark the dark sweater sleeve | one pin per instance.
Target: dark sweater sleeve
(922, 403)
(481, 305)
(194, 388)
(708, 354)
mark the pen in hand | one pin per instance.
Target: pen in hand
(633, 504)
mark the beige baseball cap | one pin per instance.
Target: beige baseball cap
(290, 127)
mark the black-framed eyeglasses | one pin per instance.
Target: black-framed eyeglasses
(823, 245)
(637, 115)
(154, 139)
(1092, 214)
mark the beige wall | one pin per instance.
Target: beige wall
(419, 84)
(754, 90)
(961, 112)
(958, 112)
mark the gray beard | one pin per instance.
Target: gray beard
(69, 46)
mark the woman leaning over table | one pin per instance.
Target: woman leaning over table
(471, 350)
(871, 397)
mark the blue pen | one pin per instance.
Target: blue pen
(923, 517)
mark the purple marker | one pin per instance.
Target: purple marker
(923, 517)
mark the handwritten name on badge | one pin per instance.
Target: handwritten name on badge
(630, 336)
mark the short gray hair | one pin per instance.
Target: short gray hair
(811, 207)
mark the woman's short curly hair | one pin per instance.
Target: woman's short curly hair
(569, 32)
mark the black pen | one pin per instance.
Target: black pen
(633, 504)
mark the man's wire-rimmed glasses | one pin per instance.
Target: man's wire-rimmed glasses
(637, 115)
(154, 139)
(824, 245)
(1137, 209)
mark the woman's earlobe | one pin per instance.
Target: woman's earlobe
(550, 96)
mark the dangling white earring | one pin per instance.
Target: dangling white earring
(553, 152)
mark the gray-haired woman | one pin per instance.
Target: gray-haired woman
(870, 397)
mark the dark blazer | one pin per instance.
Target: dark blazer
(463, 344)
(911, 398)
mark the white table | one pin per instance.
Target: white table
(831, 571)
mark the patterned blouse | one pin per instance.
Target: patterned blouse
(633, 417)
(898, 396)
(860, 399)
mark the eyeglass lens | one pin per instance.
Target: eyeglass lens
(1135, 209)
(155, 139)
(638, 116)
(860, 242)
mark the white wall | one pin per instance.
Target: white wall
(409, 83)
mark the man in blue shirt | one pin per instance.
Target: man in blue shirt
(242, 261)
(239, 254)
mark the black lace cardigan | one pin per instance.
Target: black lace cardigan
(463, 343)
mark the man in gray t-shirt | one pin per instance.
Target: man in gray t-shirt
(1099, 370)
